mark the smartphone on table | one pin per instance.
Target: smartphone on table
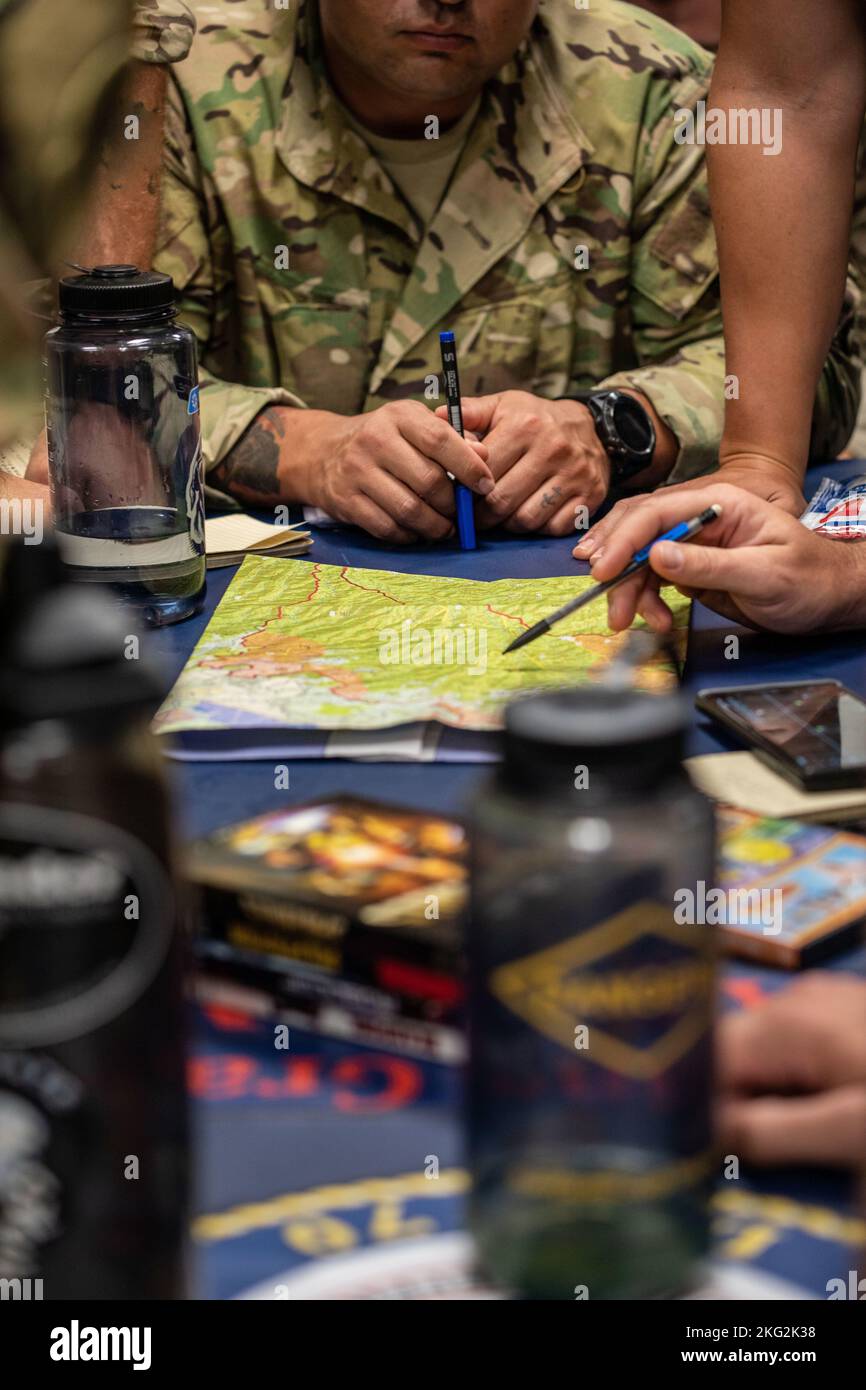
(813, 733)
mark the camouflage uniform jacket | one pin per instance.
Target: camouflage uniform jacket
(309, 282)
(162, 31)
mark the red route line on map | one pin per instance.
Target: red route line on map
(279, 613)
(366, 589)
(312, 594)
(513, 617)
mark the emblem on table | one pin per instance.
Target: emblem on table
(635, 981)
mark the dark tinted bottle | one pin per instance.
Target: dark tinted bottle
(590, 1003)
(93, 1122)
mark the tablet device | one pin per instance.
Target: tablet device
(813, 733)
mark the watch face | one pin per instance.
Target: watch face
(633, 425)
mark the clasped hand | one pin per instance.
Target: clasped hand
(533, 464)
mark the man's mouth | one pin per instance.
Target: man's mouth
(437, 40)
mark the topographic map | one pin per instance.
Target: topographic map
(313, 646)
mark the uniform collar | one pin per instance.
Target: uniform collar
(320, 148)
(523, 147)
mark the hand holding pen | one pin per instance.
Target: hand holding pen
(682, 531)
(756, 565)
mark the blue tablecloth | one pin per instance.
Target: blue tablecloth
(322, 1150)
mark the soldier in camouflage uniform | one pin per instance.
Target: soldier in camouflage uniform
(571, 248)
(60, 68)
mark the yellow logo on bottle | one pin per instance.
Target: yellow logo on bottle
(554, 990)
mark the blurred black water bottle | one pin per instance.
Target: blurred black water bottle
(124, 445)
(590, 1002)
(93, 1145)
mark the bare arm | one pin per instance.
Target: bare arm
(121, 214)
(783, 221)
(123, 206)
(701, 19)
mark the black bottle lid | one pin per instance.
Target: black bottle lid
(114, 291)
(627, 740)
(64, 646)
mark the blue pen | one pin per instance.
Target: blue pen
(683, 531)
(463, 496)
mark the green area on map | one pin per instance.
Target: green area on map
(299, 645)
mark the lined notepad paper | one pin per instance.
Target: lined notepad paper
(229, 538)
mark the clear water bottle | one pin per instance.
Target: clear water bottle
(591, 1002)
(93, 1108)
(124, 441)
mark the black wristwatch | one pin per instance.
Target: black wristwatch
(625, 430)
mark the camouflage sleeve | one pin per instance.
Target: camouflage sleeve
(837, 401)
(674, 294)
(855, 304)
(185, 252)
(162, 31)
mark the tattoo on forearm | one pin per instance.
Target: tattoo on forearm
(550, 499)
(252, 468)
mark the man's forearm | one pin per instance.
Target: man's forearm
(22, 489)
(846, 584)
(123, 206)
(783, 220)
(700, 19)
(280, 458)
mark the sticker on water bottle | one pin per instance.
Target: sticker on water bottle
(93, 900)
(195, 507)
(192, 407)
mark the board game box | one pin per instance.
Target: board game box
(362, 894)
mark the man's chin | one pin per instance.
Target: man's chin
(437, 89)
(446, 76)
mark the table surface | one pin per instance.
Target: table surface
(322, 1150)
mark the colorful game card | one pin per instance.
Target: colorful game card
(792, 891)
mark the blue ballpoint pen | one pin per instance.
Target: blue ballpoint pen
(640, 560)
(463, 497)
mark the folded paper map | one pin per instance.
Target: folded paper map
(301, 646)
